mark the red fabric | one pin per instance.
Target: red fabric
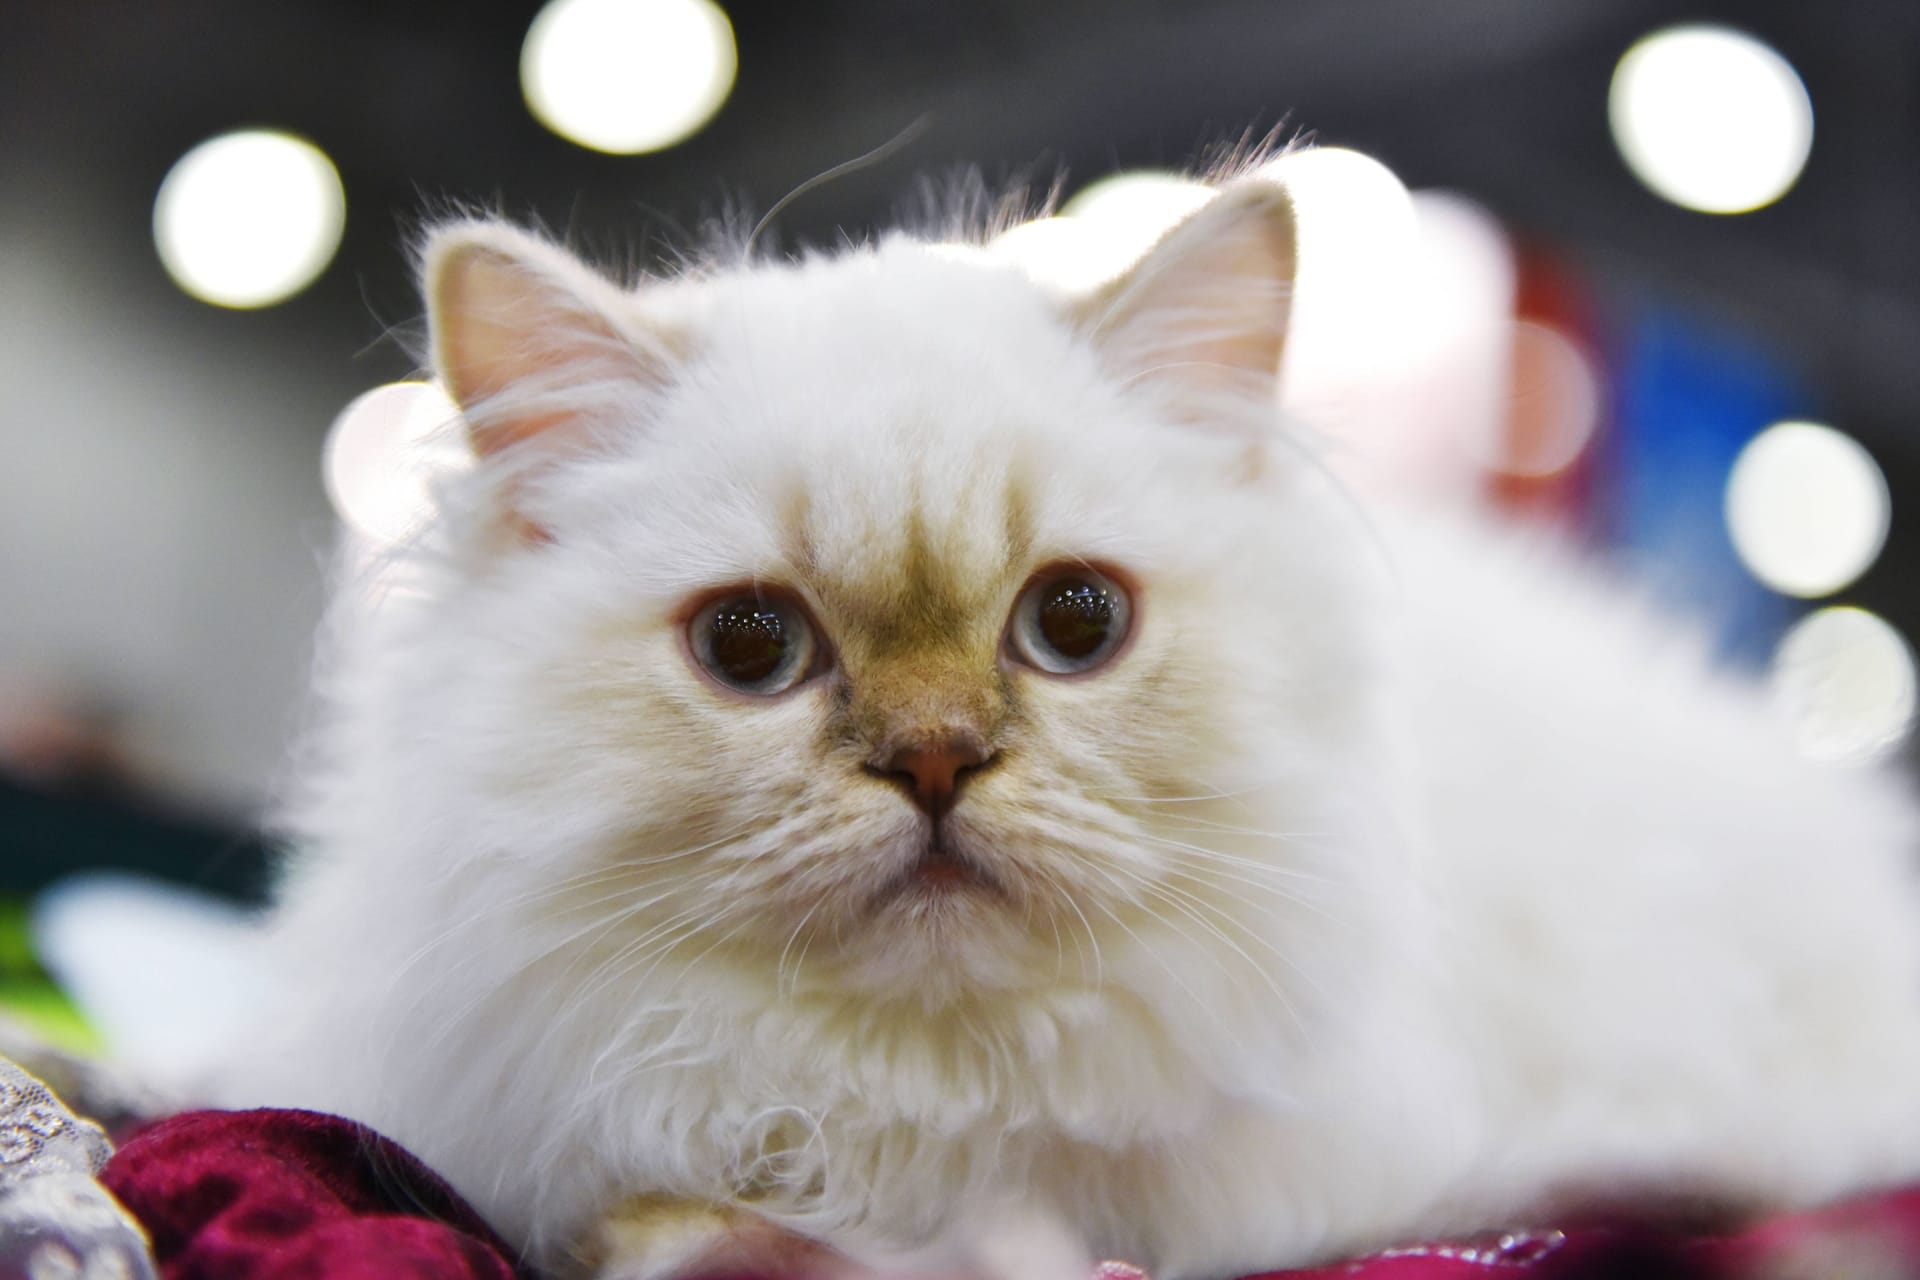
(290, 1195)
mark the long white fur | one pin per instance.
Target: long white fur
(1370, 893)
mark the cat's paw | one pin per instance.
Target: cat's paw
(658, 1238)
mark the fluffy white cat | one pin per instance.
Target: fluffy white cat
(878, 746)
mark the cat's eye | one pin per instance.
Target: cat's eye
(757, 642)
(1069, 620)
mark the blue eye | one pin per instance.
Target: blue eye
(1070, 620)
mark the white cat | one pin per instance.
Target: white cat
(880, 746)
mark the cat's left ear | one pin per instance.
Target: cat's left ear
(531, 343)
(1206, 308)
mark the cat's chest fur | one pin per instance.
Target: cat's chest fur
(908, 1136)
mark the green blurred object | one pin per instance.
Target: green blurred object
(29, 995)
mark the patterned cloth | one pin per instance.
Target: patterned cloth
(56, 1222)
(89, 1087)
(38, 1136)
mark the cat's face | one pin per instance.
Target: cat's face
(885, 622)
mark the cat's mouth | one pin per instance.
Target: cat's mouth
(941, 867)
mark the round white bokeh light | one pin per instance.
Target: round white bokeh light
(1710, 118)
(249, 219)
(1807, 508)
(1104, 229)
(1553, 407)
(1137, 206)
(1359, 246)
(1845, 680)
(383, 455)
(1061, 253)
(627, 76)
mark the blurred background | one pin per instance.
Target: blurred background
(1644, 272)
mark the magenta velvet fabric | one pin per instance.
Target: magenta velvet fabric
(290, 1195)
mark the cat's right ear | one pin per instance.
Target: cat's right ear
(1204, 312)
(530, 343)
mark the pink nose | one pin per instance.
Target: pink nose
(933, 771)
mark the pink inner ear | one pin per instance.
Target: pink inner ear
(492, 433)
(1209, 303)
(522, 345)
(474, 294)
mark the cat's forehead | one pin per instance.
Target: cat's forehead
(906, 409)
(905, 436)
(912, 554)
(903, 306)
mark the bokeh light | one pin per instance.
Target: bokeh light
(1060, 253)
(382, 454)
(627, 76)
(1417, 404)
(1102, 230)
(248, 219)
(1710, 118)
(1358, 240)
(1807, 508)
(1554, 408)
(1845, 680)
(1138, 205)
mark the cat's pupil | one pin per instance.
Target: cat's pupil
(748, 641)
(1075, 617)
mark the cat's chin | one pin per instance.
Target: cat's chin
(940, 908)
(945, 917)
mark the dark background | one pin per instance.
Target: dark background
(1504, 99)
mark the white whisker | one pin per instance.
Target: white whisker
(779, 968)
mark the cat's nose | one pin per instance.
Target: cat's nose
(932, 771)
